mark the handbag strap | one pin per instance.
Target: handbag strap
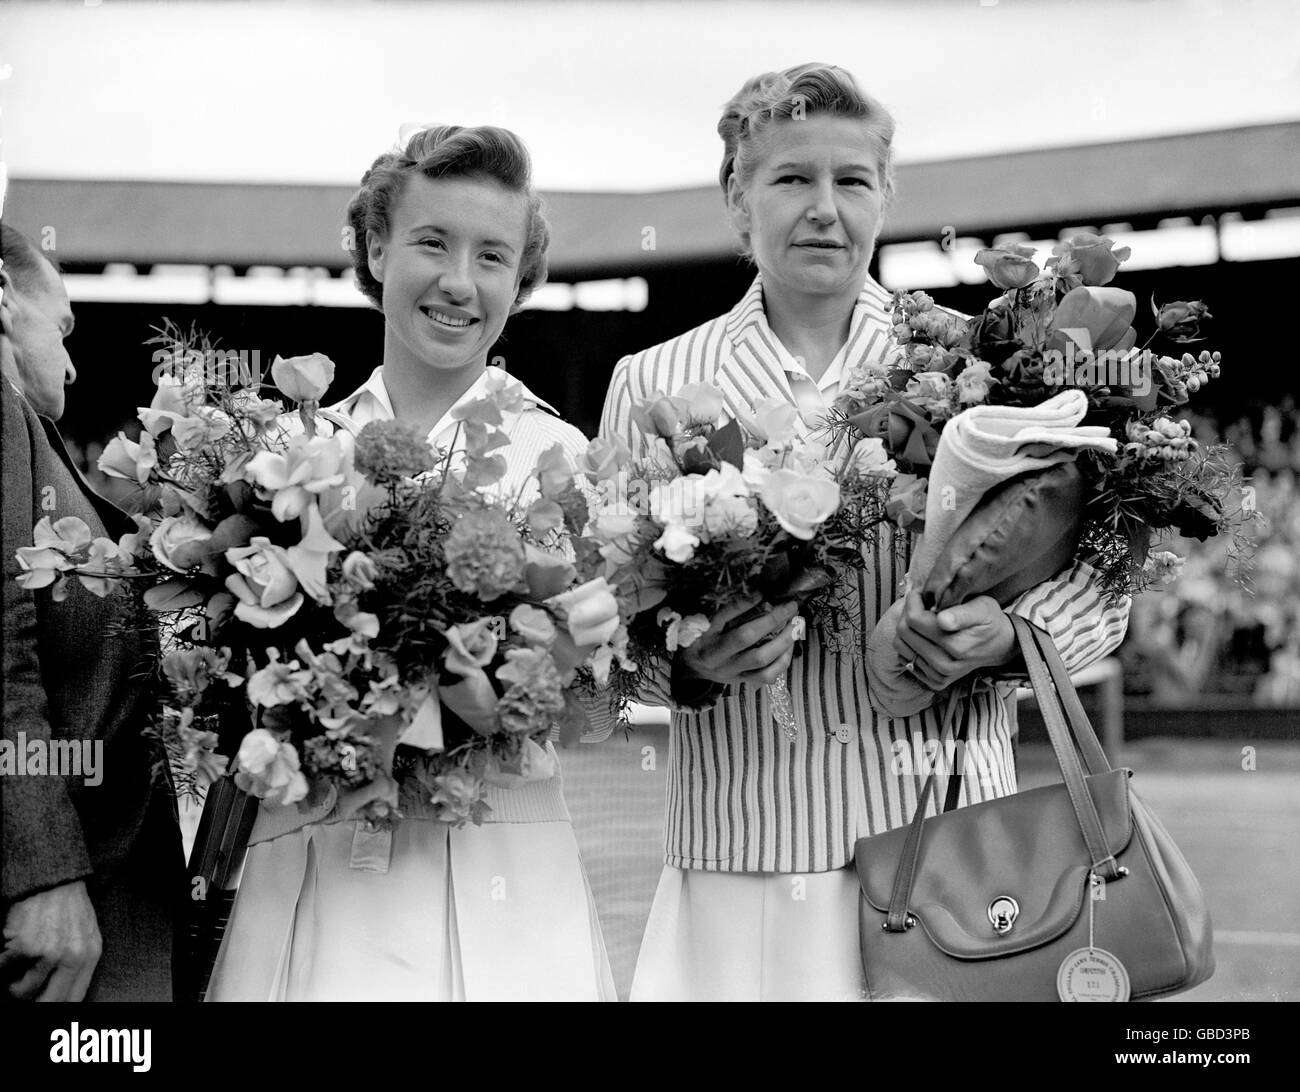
(956, 700)
(897, 919)
(1063, 744)
(1094, 757)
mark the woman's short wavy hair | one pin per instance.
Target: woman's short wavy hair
(448, 151)
(797, 92)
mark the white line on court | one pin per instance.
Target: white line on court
(1279, 940)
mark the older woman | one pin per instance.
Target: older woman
(757, 900)
(450, 241)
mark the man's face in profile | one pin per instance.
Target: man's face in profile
(36, 318)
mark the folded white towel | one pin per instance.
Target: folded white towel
(978, 450)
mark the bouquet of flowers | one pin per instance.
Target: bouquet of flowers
(1052, 329)
(381, 629)
(727, 510)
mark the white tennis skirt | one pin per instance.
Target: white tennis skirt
(497, 912)
(740, 936)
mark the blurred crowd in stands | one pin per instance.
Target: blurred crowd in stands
(1223, 629)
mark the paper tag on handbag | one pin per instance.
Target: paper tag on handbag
(1092, 974)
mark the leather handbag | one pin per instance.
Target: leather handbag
(1021, 533)
(1072, 891)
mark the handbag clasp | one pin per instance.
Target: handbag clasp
(1003, 912)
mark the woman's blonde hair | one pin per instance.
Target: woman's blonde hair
(798, 92)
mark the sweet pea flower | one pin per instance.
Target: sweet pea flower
(677, 543)
(206, 426)
(48, 556)
(614, 522)
(502, 396)
(928, 389)
(456, 795)
(757, 467)
(309, 557)
(679, 501)
(278, 683)
(907, 500)
(126, 459)
(973, 383)
(103, 557)
(727, 503)
(169, 405)
(681, 632)
(871, 458)
(360, 570)
(270, 769)
(261, 413)
(525, 667)
(1163, 568)
(774, 422)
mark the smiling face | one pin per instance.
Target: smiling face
(450, 271)
(812, 206)
(36, 318)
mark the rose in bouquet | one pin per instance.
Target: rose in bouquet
(725, 511)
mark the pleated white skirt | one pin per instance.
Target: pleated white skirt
(737, 936)
(497, 912)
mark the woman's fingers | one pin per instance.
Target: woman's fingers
(768, 659)
(773, 671)
(758, 630)
(928, 661)
(729, 614)
(746, 651)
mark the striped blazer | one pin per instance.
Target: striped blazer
(741, 798)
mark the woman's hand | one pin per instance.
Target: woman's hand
(758, 651)
(949, 645)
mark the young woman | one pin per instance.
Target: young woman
(450, 240)
(758, 900)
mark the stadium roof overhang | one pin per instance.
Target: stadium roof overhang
(146, 223)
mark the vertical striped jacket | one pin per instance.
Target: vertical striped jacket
(741, 798)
